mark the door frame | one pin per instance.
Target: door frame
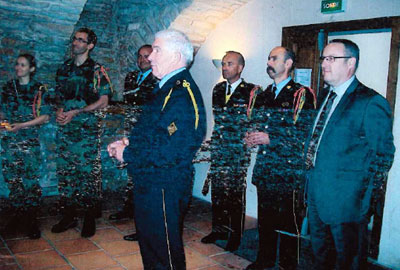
(290, 33)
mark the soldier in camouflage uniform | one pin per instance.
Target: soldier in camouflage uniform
(229, 155)
(138, 88)
(283, 117)
(23, 107)
(82, 89)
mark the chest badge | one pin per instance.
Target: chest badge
(172, 128)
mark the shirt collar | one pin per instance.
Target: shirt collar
(233, 85)
(341, 89)
(280, 85)
(169, 76)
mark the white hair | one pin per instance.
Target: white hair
(178, 42)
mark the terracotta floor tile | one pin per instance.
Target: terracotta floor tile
(91, 260)
(67, 235)
(231, 260)
(113, 268)
(190, 235)
(10, 267)
(131, 262)
(206, 249)
(5, 257)
(102, 223)
(195, 260)
(68, 247)
(215, 267)
(64, 267)
(37, 260)
(126, 225)
(203, 226)
(106, 235)
(121, 247)
(28, 245)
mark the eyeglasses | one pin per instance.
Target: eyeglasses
(80, 40)
(331, 59)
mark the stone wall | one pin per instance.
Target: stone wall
(39, 27)
(44, 28)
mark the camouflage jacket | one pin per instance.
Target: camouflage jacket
(79, 86)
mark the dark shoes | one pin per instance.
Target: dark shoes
(121, 215)
(233, 243)
(214, 236)
(131, 237)
(67, 222)
(89, 225)
(260, 265)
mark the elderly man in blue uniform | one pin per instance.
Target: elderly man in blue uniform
(282, 124)
(348, 155)
(138, 88)
(160, 151)
(230, 157)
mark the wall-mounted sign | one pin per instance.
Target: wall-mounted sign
(332, 6)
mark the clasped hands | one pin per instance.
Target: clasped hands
(116, 149)
(256, 138)
(64, 118)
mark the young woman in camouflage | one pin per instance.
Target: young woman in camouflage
(23, 110)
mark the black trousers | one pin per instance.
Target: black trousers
(228, 208)
(276, 212)
(159, 213)
(342, 245)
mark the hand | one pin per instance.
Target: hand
(256, 138)
(64, 118)
(116, 149)
(15, 127)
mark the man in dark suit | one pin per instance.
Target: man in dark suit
(348, 155)
(138, 88)
(229, 155)
(283, 116)
(160, 151)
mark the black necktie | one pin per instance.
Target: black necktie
(228, 95)
(139, 78)
(274, 91)
(312, 147)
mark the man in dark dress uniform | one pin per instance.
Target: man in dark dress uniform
(229, 155)
(82, 88)
(139, 85)
(282, 123)
(160, 151)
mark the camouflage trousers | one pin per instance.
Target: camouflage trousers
(79, 163)
(20, 156)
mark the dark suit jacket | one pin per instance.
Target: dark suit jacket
(355, 153)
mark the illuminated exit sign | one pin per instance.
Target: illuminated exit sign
(332, 6)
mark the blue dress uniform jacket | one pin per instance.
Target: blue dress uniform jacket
(277, 173)
(161, 148)
(230, 159)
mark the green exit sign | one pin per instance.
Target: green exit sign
(332, 6)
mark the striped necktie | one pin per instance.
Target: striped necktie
(319, 127)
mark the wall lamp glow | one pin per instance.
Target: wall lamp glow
(217, 63)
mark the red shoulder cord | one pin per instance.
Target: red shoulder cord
(252, 100)
(299, 99)
(37, 101)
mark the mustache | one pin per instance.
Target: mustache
(270, 69)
